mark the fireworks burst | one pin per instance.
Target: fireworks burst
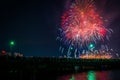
(81, 24)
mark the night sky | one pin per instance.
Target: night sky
(33, 25)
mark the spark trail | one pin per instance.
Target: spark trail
(81, 24)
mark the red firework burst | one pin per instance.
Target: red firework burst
(82, 24)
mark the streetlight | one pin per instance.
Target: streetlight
(12, 43)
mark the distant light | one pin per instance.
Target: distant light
(3, 52)
(12, 43)
(91, 46)
(71, 48)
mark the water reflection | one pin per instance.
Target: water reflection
(90, 75)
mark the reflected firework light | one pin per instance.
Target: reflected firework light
(91, 75)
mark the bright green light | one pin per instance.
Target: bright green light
(91, 45)
(91, 75)
(12, 43)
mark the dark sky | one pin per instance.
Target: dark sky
(33, 24)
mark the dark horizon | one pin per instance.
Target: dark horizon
(33, 25)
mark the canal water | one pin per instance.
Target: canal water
(92, 75)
